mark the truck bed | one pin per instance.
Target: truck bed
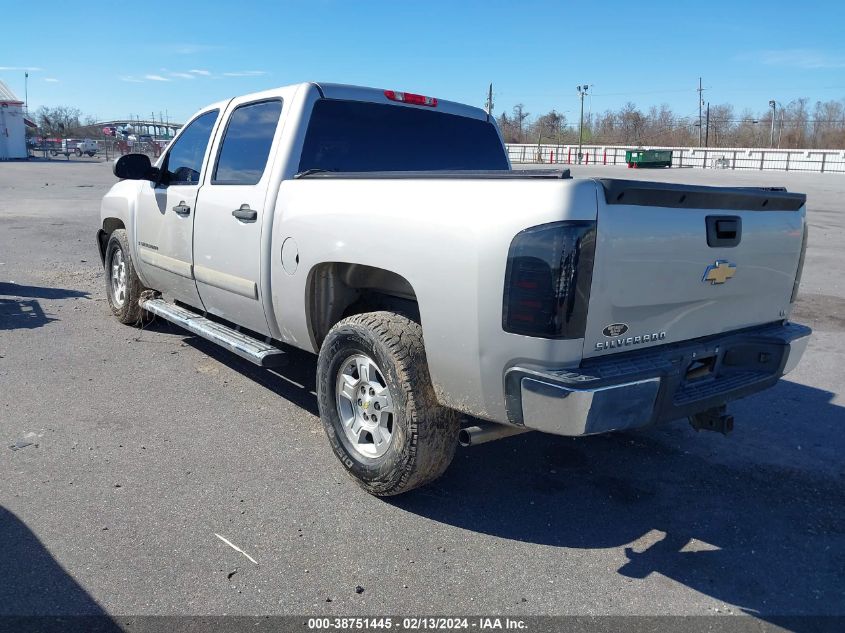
(451, 174)
(617, 190)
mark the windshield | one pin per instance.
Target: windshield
(359, 136)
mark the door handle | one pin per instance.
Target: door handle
(245, 213)
(182, 208)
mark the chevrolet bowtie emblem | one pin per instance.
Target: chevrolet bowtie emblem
(719, 272)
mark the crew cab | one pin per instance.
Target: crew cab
(385, 232)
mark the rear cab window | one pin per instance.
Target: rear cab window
(357, 136)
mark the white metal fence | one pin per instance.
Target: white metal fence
(108, 148)
(809, 160)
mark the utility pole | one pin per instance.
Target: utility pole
(489, 105)
(700, 103)
(582, 91)
(26, 92)
(707, 128)
(773, 105)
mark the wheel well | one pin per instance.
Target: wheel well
(338, 290)
(109, 226)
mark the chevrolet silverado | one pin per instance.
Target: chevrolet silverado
(385, 232)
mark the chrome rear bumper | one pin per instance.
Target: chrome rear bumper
(623, 391)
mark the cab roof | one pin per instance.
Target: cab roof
(373, 95)
(377, 95)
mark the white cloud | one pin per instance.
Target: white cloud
(51, 80)
(245, 73)
(131, 79)
(183, 75)
(807, 58)
(187, 48)
(29, 69)
(156, 78)
(204, 73)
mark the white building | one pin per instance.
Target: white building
(12, 125)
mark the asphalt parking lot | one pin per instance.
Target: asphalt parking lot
(125, 453)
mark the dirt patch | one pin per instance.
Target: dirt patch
(209, 368)
(821, 312)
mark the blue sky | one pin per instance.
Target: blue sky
(112, 60)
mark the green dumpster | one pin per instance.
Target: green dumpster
(648, 157)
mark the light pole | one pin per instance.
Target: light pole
(773, 106)
(582, 91)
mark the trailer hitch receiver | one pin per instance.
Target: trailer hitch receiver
(715, 419)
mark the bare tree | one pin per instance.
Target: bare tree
(508, 128)
(829, 124)
(519, 116)
(795, 126)
(549, 127)
(632, 122)
(58, 120)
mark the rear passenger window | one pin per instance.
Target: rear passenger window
(246, 143)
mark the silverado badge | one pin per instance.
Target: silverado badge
(719, 272)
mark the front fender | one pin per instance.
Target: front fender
(117, 210)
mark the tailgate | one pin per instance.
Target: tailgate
(677, 262)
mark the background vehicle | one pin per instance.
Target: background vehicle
(438, 283)
(648, 158)
(77, 147)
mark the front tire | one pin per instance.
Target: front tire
(378, 406)
(123, 287)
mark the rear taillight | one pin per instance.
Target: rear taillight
(548, 278)
(800, 265)
(410, 97)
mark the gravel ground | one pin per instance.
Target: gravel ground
(126, 452)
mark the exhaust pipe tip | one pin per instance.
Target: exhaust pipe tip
(487, 432)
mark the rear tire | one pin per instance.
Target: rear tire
(407, 441)
(123, 287)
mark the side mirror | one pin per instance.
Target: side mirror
(134, 167)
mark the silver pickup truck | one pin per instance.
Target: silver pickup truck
(385, 232)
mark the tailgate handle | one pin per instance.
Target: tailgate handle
(723, 230)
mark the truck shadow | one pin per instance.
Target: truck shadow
(749, 526)
(749, 520)
(294, 381)
(23, 311)
(37, 593)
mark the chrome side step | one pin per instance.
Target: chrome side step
(245, 346)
